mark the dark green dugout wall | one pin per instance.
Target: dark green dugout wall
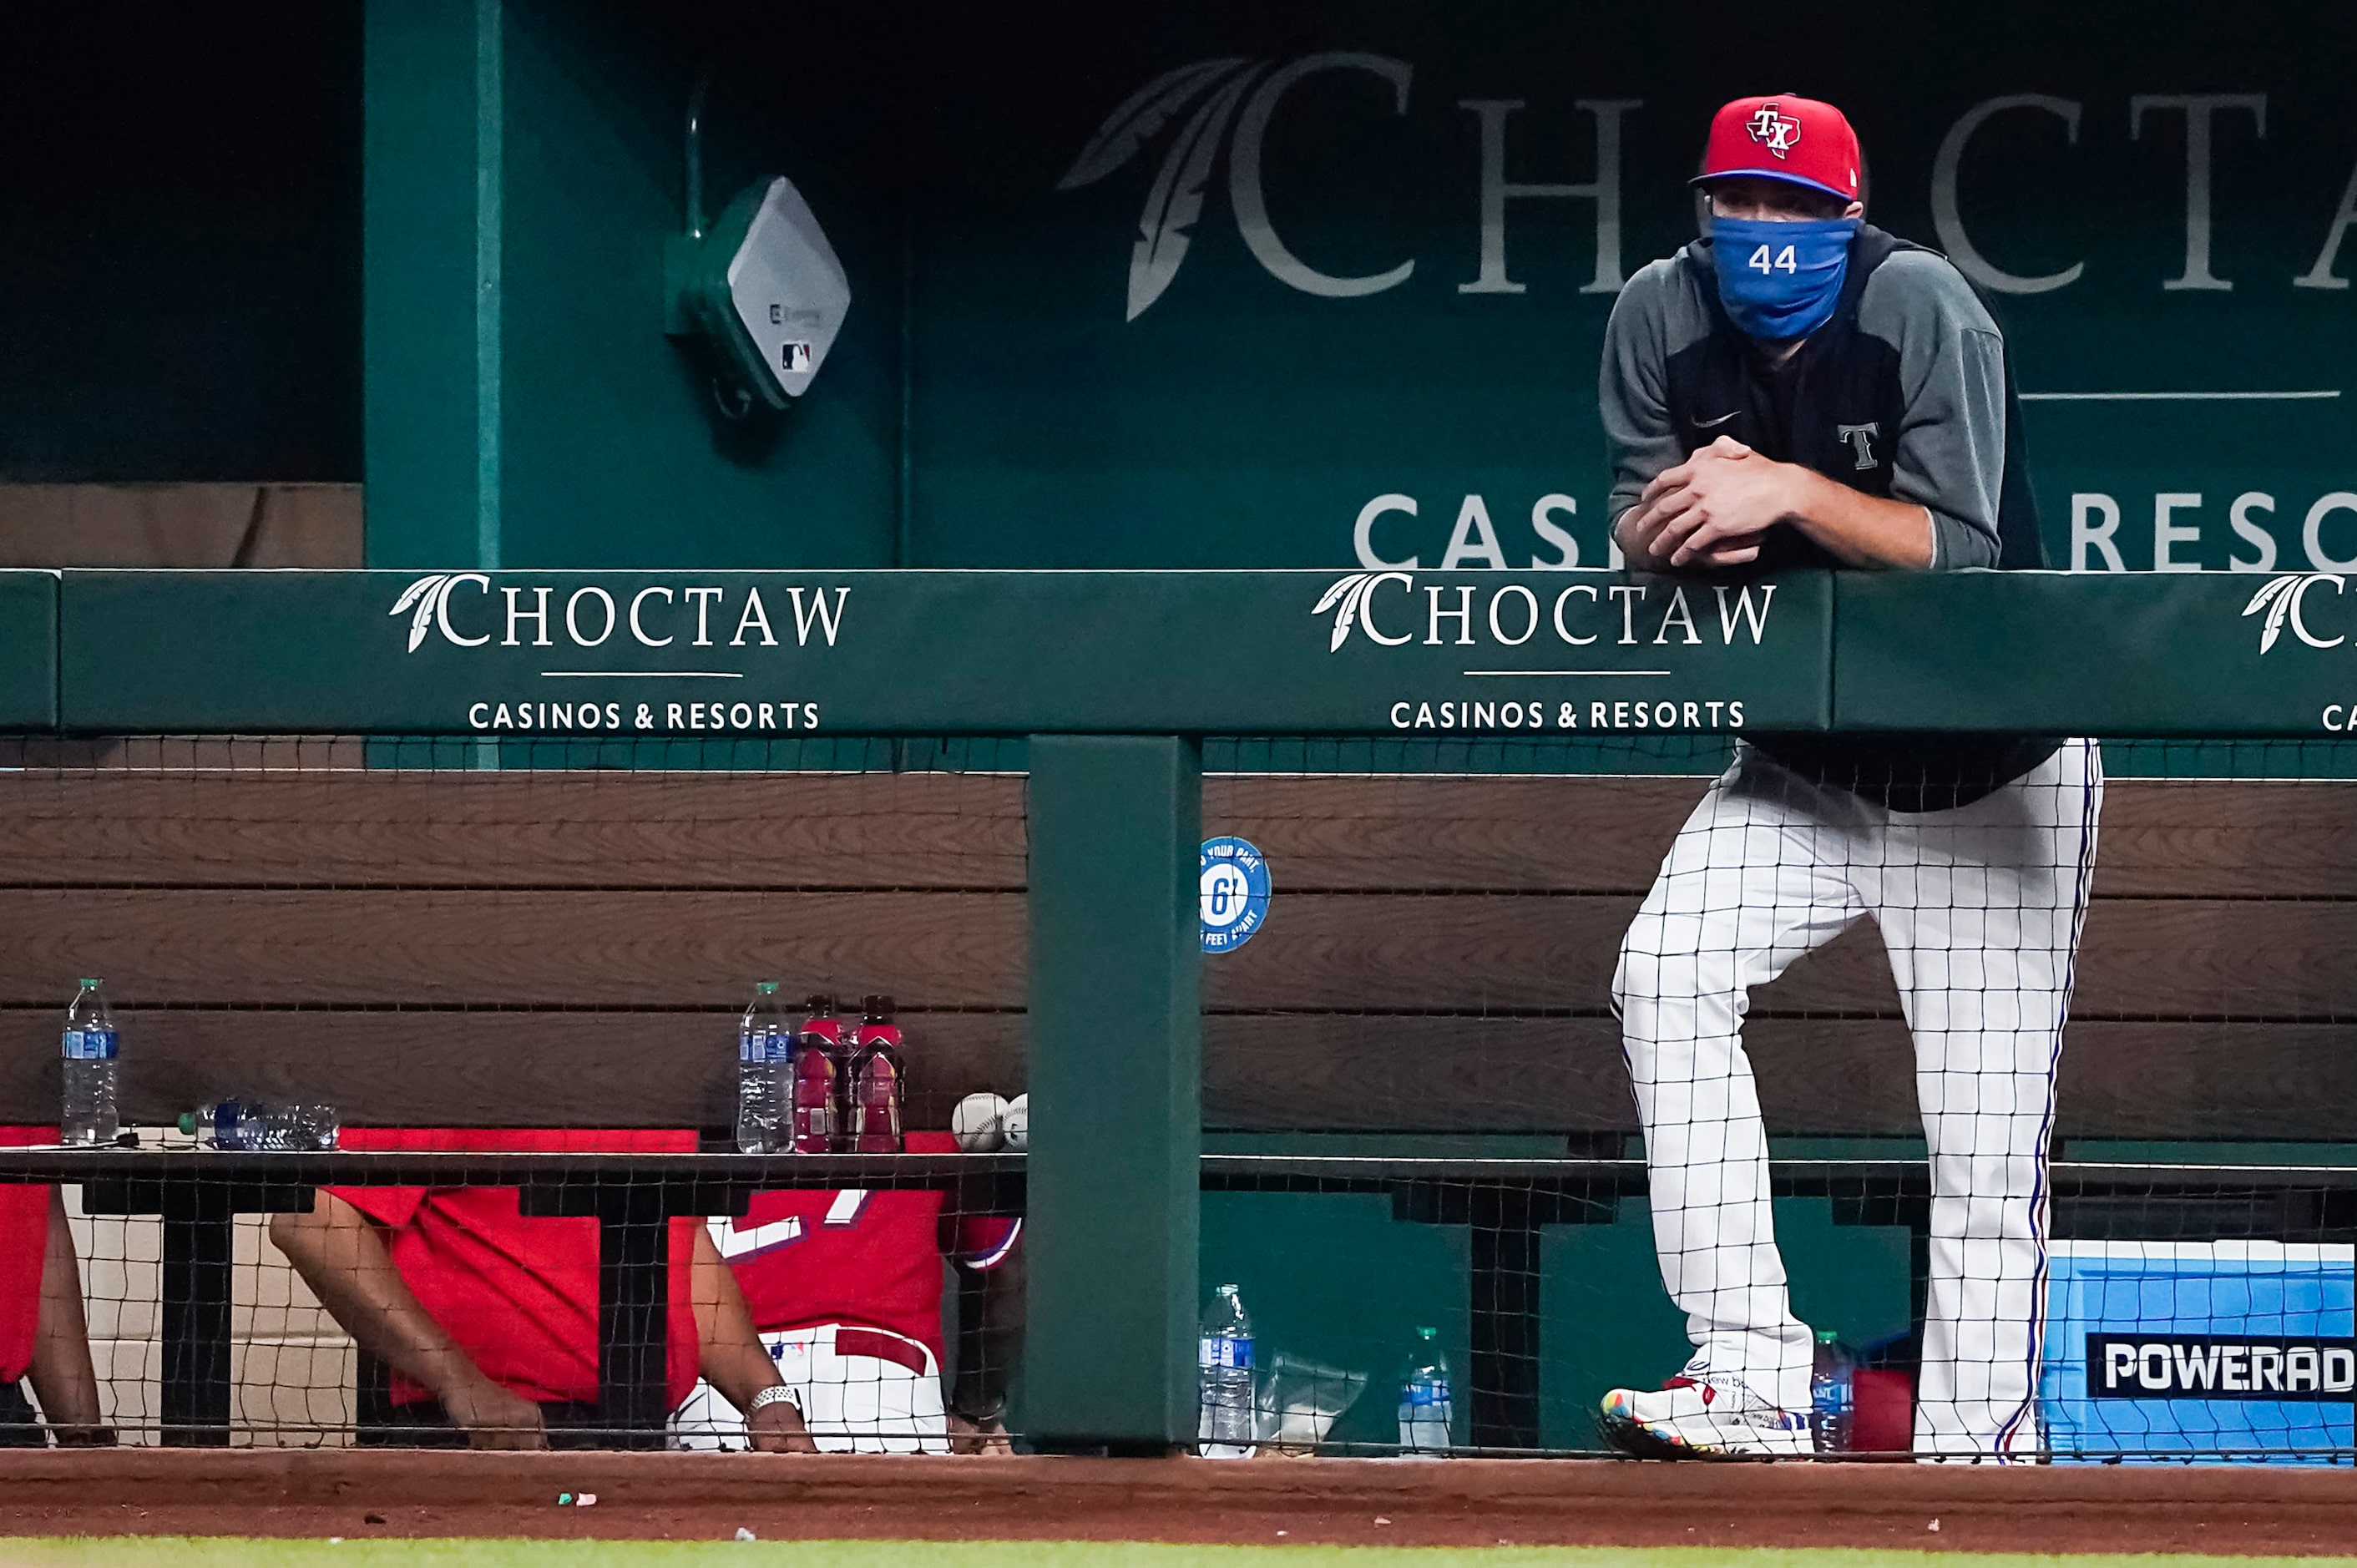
(523, 168)
(1345, 269)
(420, 242)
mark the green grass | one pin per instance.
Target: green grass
(382, 1554)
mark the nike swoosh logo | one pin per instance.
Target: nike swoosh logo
(1714, 423)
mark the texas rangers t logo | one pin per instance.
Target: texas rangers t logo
(1772, 129)
(1861, 440)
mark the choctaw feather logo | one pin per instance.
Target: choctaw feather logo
(2280, 597)
(1346, 598)
(429, 598)
(1350, 593)
(1174, 201)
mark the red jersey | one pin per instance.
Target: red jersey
(519, 1294)
(855, 1256)
(23, 1244)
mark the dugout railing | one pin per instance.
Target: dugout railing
(1112, 694)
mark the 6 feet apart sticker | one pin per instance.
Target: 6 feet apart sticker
(1236, 892)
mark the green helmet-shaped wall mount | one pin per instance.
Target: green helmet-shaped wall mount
(762, 286)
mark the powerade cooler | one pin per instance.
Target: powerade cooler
(2237, 1350)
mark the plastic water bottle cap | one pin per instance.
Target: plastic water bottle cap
(188, 1123)
(765, 987)
(1827, 1337)
(1427, 1334)
(89, 982)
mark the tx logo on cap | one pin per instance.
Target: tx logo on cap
(1773, 129)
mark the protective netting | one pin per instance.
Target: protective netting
(1416, 1088)
(535, 952)
(1857, 1110)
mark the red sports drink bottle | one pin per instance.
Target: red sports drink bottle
(878, 1082)
(818, 1079)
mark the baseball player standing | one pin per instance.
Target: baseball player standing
(1798, 389)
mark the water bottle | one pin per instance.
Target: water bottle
(1833, 1394)
(88, 1114)
(879, 1089)
(765, 1049)
(248, 1124)
(1224, 1354)
(818, 1093)
(1423, 1404)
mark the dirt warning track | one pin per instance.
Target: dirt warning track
(1457, 1502)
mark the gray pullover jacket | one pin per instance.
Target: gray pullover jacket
(1903, 393)
(1908, 403)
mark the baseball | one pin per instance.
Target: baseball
(1018, 1121)
(980, 1122)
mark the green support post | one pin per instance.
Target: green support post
(1116, 1081)
(432, 293)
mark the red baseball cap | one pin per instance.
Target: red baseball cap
(1797, 140)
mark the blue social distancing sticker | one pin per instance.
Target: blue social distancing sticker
(1236, 892)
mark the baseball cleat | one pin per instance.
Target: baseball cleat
(1684, 1419)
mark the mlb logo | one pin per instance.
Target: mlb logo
(793, 357)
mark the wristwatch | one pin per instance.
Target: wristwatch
(776, 1393)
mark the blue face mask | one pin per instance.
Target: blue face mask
(1781, 281)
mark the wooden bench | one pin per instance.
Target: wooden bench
(501, 949)
(570, 948)
(1473, 924)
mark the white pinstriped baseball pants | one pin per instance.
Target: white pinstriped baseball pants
(1980, 909)
(852, 1403)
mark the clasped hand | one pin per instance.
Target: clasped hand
(1713, 510)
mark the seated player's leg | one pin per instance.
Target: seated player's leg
(860, 1389)
(873, 1391)
(1755, 879)
(708, 1419)
(20, 1427)
(62, 1376)
(1981, 909)
(706, 1422)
